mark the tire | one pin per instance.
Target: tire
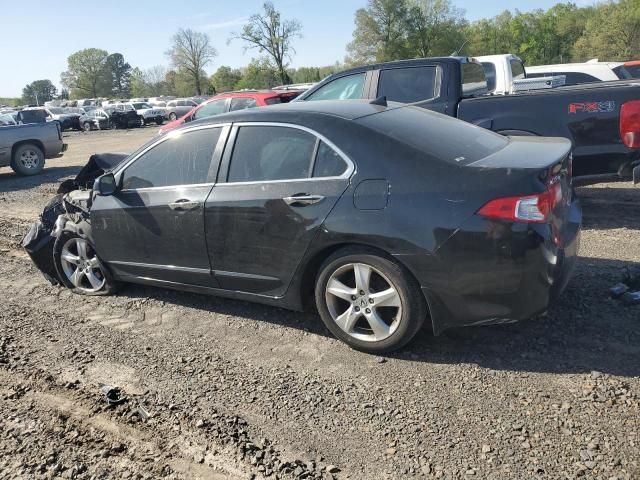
(28, 159)
(86, 126)
(172, 117)
(79, 268)
(369, 325)
(142, 122)
(159, 121)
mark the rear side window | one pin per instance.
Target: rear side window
(328, 162)
(271, 153)
(490, 75)
(242, 104)
(181, 160)
(517, 69)
(408, 85)
(474, 80)
(343, 88)
(273, 101)
(210, 109)
(428, 132)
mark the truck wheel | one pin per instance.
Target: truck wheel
(172, 116)
(86, 126)
(28, 159)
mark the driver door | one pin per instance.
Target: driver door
(153, 226)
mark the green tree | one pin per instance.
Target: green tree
(225, 79)
(434, 27)
(612, 32)
(190, 53)
(119, 72)
(260, 73)
(86, 74)
(271, 35)
(39, 92)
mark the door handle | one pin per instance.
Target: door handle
(302, 200)
(184, 205)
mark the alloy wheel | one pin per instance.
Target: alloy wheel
(363, 302)
(29, 159)
(81, 265)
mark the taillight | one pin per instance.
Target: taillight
(630, 123)
(525, 209)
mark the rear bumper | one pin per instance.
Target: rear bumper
(501, 273)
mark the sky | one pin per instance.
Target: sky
(38, 35)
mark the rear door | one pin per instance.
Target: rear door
(153, 227)
(277, 184)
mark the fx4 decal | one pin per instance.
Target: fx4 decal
(592, 107)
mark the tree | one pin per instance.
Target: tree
(39, 92)
(190, 53)
(86, 73)
(260, 73)
(434, 27)
(272, 36)
(225, 79)
(612, 32)
(120, 75)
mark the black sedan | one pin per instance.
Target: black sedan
(380, 217)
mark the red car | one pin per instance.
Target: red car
(230, 101)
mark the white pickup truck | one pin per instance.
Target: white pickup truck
(506, 74)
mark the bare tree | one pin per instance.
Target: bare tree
(190, 52)
(270, 34)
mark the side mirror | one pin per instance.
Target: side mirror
(105, 185)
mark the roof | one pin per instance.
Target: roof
(402, 63)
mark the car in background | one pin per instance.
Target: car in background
(148, 113)
(232, 101)
(587, 72)
(179, 107)
(24, 148)
(96, 119)
(122, 116)
(67, 120)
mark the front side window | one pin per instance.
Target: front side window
(242, 104)
(271, 153)
(517, 69)
(328, 162)
(408, 85)
(343, 88)
(210, 109)
(180, 160)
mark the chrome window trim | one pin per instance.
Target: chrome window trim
(351, 167)
(121, 168)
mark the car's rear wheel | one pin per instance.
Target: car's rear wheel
(86, 126)
(79, 267)
(28, 159)
(369, 301)
(172, 116)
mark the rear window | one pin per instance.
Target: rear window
(408, 85)
(474, 80)
(428, 132)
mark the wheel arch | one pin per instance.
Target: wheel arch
(21, 143)
(311, 269)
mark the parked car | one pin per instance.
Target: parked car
(587, 72)
(179, 107)
(601, 119)
(147, 113)
(67, 120)
(381, 216)
(122, 116)
(24, 148)
(95, 119)
(505, 74)
(230, 102)
(6, 119)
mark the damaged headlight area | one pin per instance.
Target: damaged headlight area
(69, 208)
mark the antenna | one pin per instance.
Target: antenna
(457, 52)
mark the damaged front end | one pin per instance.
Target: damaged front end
(68, 209)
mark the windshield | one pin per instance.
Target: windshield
(56, 110)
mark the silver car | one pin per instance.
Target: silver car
(179, 107)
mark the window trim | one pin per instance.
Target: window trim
(437, 84)
(226, 159)
(217, 154)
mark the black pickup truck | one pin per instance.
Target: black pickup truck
(601, 119)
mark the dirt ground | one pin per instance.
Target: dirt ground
(223, 389)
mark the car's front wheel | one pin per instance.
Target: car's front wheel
(86, 126)
(79, 267)
(368, 301)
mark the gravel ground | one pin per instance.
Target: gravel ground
(220, 389)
